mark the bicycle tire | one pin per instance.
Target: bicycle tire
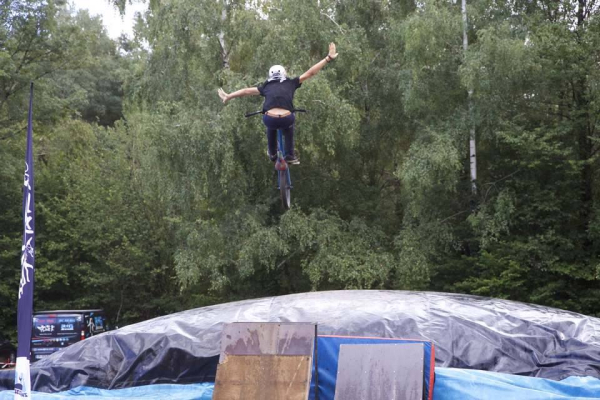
(284, 189)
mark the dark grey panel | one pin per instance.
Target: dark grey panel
(267, 338)
(380, 372)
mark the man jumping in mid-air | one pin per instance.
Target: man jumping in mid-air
(278, 107)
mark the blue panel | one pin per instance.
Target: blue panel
(199, 391)
(450, 384)
(328, 348)
(464, 384)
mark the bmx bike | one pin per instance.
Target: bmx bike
(284, 179)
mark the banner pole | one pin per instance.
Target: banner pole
(25, 302)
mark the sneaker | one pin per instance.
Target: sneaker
(273, 158)
(292, 159)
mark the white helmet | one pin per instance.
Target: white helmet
(277, 73)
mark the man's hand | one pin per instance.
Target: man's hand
(224, 96)
(332, 53)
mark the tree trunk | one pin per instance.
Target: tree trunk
(472, 143)
(583, 133)
(224, 50)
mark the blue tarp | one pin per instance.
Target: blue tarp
(464, 384)
(468, 332)
(199, 391)
(450, 384)
(328, 351)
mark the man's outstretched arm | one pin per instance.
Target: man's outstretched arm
(252, 91)
(318, 66)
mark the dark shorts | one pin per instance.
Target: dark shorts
(286, 124)
(279, 123)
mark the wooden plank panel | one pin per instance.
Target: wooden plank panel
(272, 338)
(265, 377)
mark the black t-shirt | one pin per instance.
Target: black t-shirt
(279, 94)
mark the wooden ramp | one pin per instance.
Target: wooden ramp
(265, 361)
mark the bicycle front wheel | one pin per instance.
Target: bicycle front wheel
(284, 189)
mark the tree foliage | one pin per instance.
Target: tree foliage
(153, 196)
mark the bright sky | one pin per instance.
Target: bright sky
(114, 23)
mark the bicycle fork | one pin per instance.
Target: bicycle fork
(281, 164)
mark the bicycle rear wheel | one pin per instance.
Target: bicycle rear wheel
(284, 189)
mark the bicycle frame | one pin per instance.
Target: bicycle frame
(283, 166)
(284, 178)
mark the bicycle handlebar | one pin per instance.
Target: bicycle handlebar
(262, 112)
